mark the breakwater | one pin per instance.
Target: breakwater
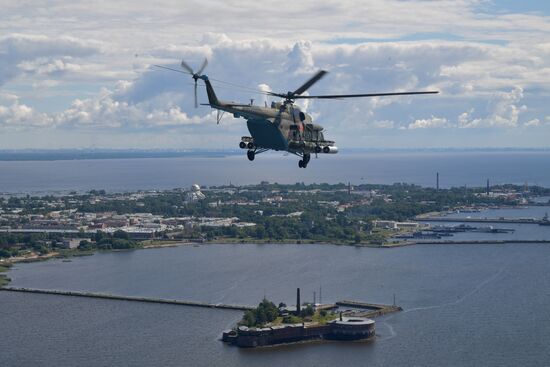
(129, 298)
(481, 220)
(370, 309)
(476, 242)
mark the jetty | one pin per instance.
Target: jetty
(368, 309)
(480, 220)
(477, 242)
(129, 298)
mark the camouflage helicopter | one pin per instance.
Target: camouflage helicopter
(281, 126)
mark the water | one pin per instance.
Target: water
(464, 305)
(455, 168)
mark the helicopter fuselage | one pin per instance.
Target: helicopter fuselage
(280, 127)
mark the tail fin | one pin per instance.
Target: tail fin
(212, 99)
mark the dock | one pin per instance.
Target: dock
(129, 298)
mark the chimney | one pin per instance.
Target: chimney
(488, 187)
(437, 181)
(298, 311)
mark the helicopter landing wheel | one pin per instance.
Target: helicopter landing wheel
(302, 164)
(242, 145)
(250, 154)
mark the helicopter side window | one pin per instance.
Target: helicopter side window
(294, 132)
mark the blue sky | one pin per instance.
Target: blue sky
(77, 76)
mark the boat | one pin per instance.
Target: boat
(545, 221)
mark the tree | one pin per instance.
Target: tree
(307, 311)
(265, 312)
(121, 234)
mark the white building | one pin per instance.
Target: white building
(195, 194)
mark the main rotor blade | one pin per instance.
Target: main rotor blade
(176, 70)
(336, 96)
(204, 63)
(314, 79)
(187, 67)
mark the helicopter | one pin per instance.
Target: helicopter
(282, 126)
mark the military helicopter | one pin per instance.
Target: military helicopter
(281, 126)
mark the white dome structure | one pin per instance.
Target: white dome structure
(195, 194)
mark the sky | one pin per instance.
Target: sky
(79, 74)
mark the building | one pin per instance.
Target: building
(195, 194)
(390, 224)
(71, 243)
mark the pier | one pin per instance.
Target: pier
(477, 242)
(371, 309)
(481, 220)
(129, 298)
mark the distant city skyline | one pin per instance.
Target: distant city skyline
(79, 76)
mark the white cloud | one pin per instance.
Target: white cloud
(504, 111)
(20, 116)
(20, 53)
(494, 66)
(532, 123)
(433, 122)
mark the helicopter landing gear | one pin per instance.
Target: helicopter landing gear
(251, 155)
(302, 163)
(242, 145)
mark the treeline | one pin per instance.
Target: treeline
(14, 244)
(119, 240)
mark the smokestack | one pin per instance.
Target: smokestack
(437, 181)
(488, 187)
(298, 310)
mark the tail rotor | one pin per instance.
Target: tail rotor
(195, 75)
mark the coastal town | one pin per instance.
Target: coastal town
(340, 214)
